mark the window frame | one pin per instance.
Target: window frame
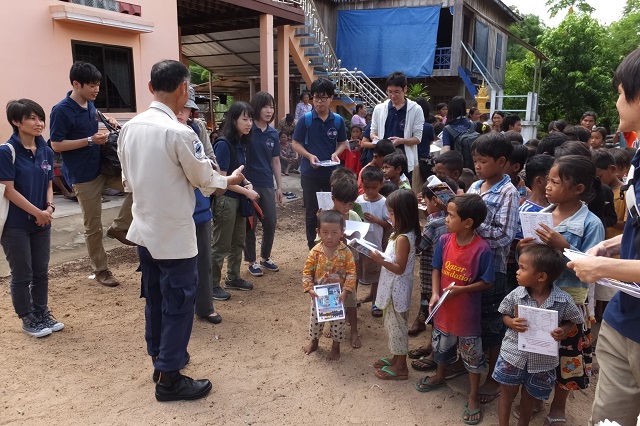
(103, 86)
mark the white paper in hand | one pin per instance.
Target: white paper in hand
(324, 200)
(531, 221)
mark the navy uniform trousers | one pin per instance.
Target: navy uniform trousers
(169, 287)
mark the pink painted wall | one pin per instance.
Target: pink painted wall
(36, 51)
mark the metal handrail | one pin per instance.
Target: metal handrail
(480, 66)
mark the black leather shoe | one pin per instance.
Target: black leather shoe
(176, 387)
(156, 372)
(214, 318)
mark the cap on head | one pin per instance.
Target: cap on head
(191, 103)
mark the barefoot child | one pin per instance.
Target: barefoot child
(394, 166)
(463, 264)
(375, 212)
(330, 261)
(539, 267)
(396, 282)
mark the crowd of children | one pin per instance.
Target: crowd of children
(472, 249)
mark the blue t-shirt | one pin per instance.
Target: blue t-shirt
(322, 142)
(30, 176)
(221, 150)
(69, 121)
(623, 311)
(263, 148)
(396, 120)
(460, 125)
(424, 147)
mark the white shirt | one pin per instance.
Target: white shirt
(379, 210)
(162, 162)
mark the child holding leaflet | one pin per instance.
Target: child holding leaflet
(462, 264)
(375, 212)
(539, 267)
(330, 261)
(396, 282)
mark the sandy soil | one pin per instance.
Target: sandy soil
(96, 371)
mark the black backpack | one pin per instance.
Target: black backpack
(461, 142)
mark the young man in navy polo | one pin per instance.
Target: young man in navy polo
(74, 133)
(321, 138)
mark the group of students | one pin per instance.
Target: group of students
(473, 248)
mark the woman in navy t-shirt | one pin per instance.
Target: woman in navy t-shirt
(26, 172)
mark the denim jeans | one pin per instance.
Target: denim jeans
(28, 255)
(204, 303)
(267, 203)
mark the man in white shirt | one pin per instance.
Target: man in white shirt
(162, 162)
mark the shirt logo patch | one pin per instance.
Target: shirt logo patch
(332, 133)
(198, 149)
(401, 125)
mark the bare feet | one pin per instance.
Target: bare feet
(595, 367)
(355, 341)
(334, 355)
(367, 299)
(417, 327)
(311, 347)
(327, 333)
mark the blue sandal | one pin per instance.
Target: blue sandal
(375, 312)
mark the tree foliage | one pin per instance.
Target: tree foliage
(556, 6)
(529, 30)
(199, 75)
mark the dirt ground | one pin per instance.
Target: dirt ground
(96, 371)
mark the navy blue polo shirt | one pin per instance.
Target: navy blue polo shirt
(396, 120)
(31, 175)
(623, 311)
(221, 150)
(322, 142)
(424, 147)
(263, 148)
(70, 121)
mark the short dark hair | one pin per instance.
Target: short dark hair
(577, 133)
(342, 173)
(397, 78)
(538, 165)
(404, 204)
(21, 109)
(388, 188)
(323, 85)
(510, 120)
(494, 145)
(545, 259)
(440, 106)
(519, 155)
(452, 160)
(602, 131)
(514, 136)
(261, 100)
(572, 148)
(84, 73)
(622, 158)
(471, 206)
(549, 143)
(229, 129)
(602, 158)
(557, 125)
(428, 193)
(372, 174)
(627, 75)
(457, 108)
(395, 160)
(589, 114)
(331, 216)
(359, 107)
(168, 75)
(384, 147)
(345, 190)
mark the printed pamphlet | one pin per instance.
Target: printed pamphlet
(540, 324)
(328, 307)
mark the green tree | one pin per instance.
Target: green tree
(556, 6)
(529, 30)
(199, 75)
(631, 6)
(623, 34)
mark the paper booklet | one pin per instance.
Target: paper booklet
(531, 221)
(328, 307)
(366, 248)
(355, 229)
(324, 200)
(440, 189)
(540, 324)
(327, 163)
(632, 289)
(435, 308)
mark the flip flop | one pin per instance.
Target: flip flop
(390, 375)
(424, 364)
(516, 411)
(291, 197)
(419, 352)
(382, 362)
(424, 387)
(551, 420)
(470, 413)
(375, 311)
(488, 397)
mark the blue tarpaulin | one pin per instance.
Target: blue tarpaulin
(381, 41)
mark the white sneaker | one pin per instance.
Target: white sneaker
(34, 327)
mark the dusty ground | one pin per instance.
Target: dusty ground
(96, 370)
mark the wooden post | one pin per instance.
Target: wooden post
(266, 53)
(283, 71)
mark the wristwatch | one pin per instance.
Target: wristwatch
(53, 207)
(89, 141)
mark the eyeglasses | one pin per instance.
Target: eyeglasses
(394, 92)
(321, 98)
